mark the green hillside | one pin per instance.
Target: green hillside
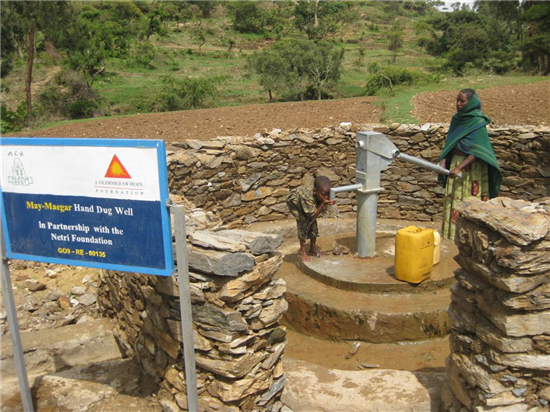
(93, 59)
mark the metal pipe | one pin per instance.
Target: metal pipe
(15, 335)
(366, 223)
(348, 188)
(185, 309)
(422, 163)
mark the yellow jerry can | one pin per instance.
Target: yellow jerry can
(437, 247)
(414, 254)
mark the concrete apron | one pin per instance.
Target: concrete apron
(346, 298)
(371, 307)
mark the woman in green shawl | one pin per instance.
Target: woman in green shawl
(468, 151)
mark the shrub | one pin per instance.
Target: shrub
(179, 94)
(68, 96)
(385, 78)
(13, 120)
(141, 55)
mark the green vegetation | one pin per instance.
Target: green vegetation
(73, 60)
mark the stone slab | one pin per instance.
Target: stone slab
(312, 387)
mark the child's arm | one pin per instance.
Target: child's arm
(325, 201)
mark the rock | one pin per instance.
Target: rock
(87, 299)
(232, 201)
(64, 302)
(229, 392)
(249, 181)
(522, 360)
(212, 240)
(225, 337)
(487, 332)
(78, 290)
(310, 387)
(35, 286)
(513, 324)
(31, 305)
(233, 369)
(234, 290)
(476, 375)
(328, 172)
(257, 194)
(257, 243)
(223, 320)
(509, 218)
(338, 249)
(274, 357)
(219, 263)
(273, 313)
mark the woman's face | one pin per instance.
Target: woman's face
(461, 101)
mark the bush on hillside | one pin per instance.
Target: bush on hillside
(13, 120)
(141, 55)
(68, 96)
(385, 78)
(179, 94)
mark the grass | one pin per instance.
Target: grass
(397, 109)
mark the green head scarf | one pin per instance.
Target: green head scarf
(468, 133)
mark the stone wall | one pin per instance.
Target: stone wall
(236, 309)
(247, 179)
(500, 310)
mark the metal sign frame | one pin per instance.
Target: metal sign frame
(181, 250)
(162, 211)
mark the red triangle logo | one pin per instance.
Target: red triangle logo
(117, 170)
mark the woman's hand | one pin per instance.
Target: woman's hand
(454, 172)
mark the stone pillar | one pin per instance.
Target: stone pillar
(500, 310)
(236, 308)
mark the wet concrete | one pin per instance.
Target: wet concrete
(327, 312)
(375, 274)
(336, 300)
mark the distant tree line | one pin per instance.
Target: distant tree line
(491, 36)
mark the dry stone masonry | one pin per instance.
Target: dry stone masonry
(236, 309)
(500, 310)
(247, 179)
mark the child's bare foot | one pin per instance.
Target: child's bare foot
(305, 257)
(315, 252)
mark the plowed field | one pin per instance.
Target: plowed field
(511, 104)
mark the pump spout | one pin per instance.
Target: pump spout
(348, 188)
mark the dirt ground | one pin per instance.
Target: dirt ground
(510, 104)
(522, 104)
(205, 124)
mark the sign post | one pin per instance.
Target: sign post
(185, 309)
(99, 203)
(15, 336)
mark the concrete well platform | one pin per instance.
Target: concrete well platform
(341, 298)
(376, 274)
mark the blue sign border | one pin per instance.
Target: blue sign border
(160, 145)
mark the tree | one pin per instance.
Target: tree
(247, 17)
(270, 68)
(90, 41)
(46, 17)
(313, 67)
(318, 18)
(536, 44)
(323, 65)
(199, 36)
(12, 38)
(395, 41)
